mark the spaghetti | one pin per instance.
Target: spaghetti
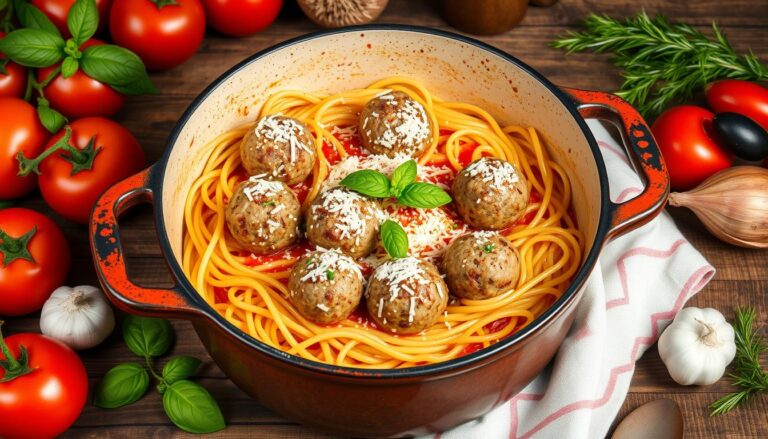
(250, 291)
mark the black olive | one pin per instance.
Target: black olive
(744, 137)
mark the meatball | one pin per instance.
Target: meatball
(325, 286)
(342, 219)
(406, 296)
(490, 194)
(280, 147)
(263, 216)
(395, 123)
(481, 265)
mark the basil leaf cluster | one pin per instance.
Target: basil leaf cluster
(39, 44)
(187, 404)
(402, 186)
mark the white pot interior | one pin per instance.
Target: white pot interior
(451, 69)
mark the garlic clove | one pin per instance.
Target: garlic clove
(732, 205)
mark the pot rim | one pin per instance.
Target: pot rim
(472, 359)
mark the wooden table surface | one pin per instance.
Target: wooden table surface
(742, 275)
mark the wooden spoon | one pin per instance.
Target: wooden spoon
(659, 419)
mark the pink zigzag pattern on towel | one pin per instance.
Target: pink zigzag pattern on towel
(621, 265)
(616, 151)
(688, 288)
(626, 193)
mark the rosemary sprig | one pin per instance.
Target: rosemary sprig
(662, 62)
(747, 373)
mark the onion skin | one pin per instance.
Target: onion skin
(732, 205)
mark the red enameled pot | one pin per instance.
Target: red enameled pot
(410, 401)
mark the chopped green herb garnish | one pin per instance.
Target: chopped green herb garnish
(330, 274)
(488, 248)
(268, 203)
(309, 261)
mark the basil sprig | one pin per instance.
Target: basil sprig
(124, 384)
(39, 44)
(394, 239)
(403, 186)
(187, 404)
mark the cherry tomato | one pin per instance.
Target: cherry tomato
(13, 82)
(20, 131)
(48, 395)
(240, 18)
(685, 137)
(56, 11)
(34, 260)
(118, 156)
(743, 97)
(164, 36)
(80, 95)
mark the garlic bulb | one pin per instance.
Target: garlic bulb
(732, 205)
(338, 13)
(80, 317)
(697, 346)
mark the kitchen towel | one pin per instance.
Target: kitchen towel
(639, 284)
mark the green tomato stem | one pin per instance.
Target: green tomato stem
(12, 366)
(81, 159)
(16, 248)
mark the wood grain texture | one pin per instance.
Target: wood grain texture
(742, 276)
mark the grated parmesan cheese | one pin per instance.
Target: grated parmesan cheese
(345, 133)
(257, 187)
(430, 231)
(499, 174)
(323, 260)
(283, 131)
(351, 211)
(409, 127)
(397, 272)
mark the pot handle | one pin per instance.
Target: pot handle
(642, 151)
(109, 259)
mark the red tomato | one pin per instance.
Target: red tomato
(26, 284)
(743, 97)
(57, 10)
(45, 402)
(240, 18)
(73, 196)
(163, 36)
(13, 82)
(80, 95)
(20, 131)
(683, 136)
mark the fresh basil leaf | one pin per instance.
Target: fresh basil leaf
(33, 47)
(141, 87)
(3, 4)
(51, 119)
(82, 20)
(394, 239)
(424, 195)
(192, 408)
(3, 63)
(32, 18)
(403, 176)
(118, 67)
(147, 337)
(179, 368)
(124, 384)
(367, 182)
(69, 67)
